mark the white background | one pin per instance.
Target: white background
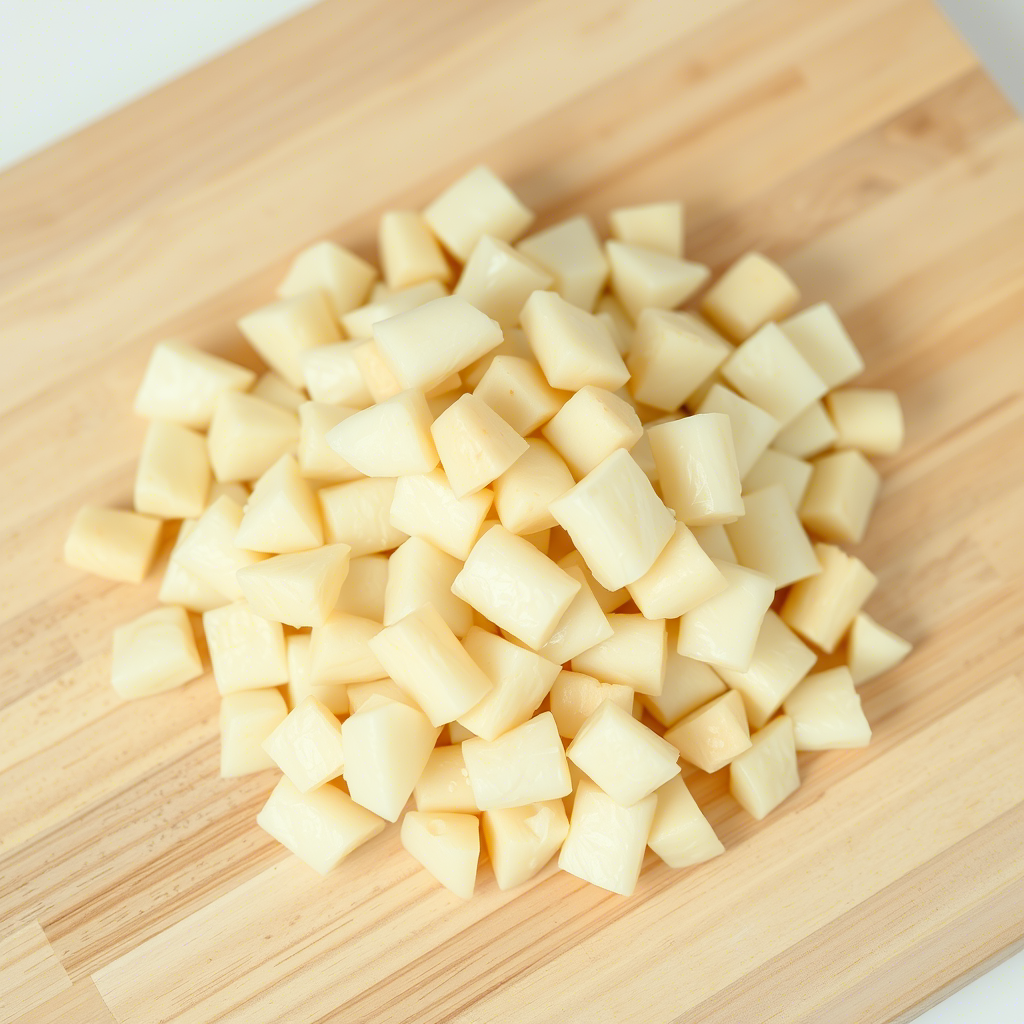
(65, 63)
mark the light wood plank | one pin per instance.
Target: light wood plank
(30, 972)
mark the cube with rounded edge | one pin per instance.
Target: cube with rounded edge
(581, 627)
(112, 543)
(516, 390)
(320, 827)
(625, 758)
(524, 765)
(642, 277)
(606, 841)
(478, 204)
(306, 746)
(333, 696)
(332, 373)
(616, 520)
(247, 651)
(821, 339)
(358, 513)
(210, 551)
(272, 387)
(359, 323)
(182, 384)
(751, 292)
(723, 630)
(688, 684)
(154, 653)
(444, 783)
(680, 834)
(840, 497)
(447, 845)
(715, 541)
(341, 275)
(524, 491)
(299, 589)
(712, 735)
(868, 419)
(426, 506)
(590, 426)
(574, 348)
(752, 428)
(409, 253)
(634, 655)
(282, 514)
(365, 586)
(810, 433)
(872, 649)
(248, 435)
(826, 713)
(658, 226)
(575, 696)
(774, 467)
(179, 586)
(571, 253)
(340, 650)
(247, 718)
(521, 840)
(497, 280)
(608, 600)
(697, 470)
(419, 574)
(317, 459)
(763, 776)
(173, 475)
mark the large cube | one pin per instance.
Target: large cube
(571, 253)
(680, 834)
(497, 280)
(154, 653)
(282, 515)
(521, 840)
(591, 425)
(764, 775)
(306, 746)
(516, 390)
(840, 497)
(868, 419)
(358, 513)
(298, 589)
(751, 292)
(714, 734)
(642, 277)
(634, 655)
(419, 574)
(822, 340)
(826, 712)
(247, 651)
(173, 475)
(426, 506)
(248, 435)
(341, 275)
(447, 845)
(112, 543)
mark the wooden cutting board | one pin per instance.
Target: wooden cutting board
(855, 140)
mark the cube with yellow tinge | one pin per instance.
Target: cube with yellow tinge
(112, 543)
(153, 653)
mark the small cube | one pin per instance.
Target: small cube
(247, 718)
(272, 387)
(642, 277)
(112, 543)
(840, 497)
(333, 696)
(248, 435)
(282, 515)
(409, 252)
(582, 626)
(714, 734)
(426, 506)
(343, 277)
(419, 574)
(444, 784)
(359, 323)
(752, 428)
(680, 834)
(154, 653)
(822, 340)
(688, 684)
(364, 590)
(809, 434)
(179, 586)
(209, 551)
(826, 712)
(447, 845)
(872, 649)
(524, 491)
(306, 746)
(868, 419)
(339, 651)
(751, 292)
(591, 425)
(358, 513)
(575, 696)
(775, 467)
(634, 655)
(571, 253)
(317, 459)
(516, 390)
(299, 589)
(521, 840)
(333, 374)
(763, 776)
(173, 475)
(658, 226)
(247, 650)
(498, 280)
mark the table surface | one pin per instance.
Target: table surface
(871, 180)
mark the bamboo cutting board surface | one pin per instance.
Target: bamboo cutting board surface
(856, 141)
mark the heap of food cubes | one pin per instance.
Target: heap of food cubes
(510, 540)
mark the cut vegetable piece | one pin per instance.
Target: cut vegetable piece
(696, 461)
(658, 226)
(513, 343)
(447, 845)
(606, 841)
(364, 589)
(179, 586)
(714, 734)
(380, 381)
(358, 513)
(575, 696)
(248, 435)
(521, 840)
(763, 776)
(209, 550)
(821, 338)
(359, 322)
(173, 475)
(154, 653)
(341, 275)
(112, 543)
(680, 834)
(826, 713)
(282, 515)
(332, 374)
(688, 684)
(820, 608)
(247, 718)
(574, 348)
(608, 600)
(810, 433)
(867, 419)
(426, 506)
(497, 280)
(715, 541)
(625, 758)
(840, 497)
(299, 589)
(615, 519)
(873, 649)
(409, 252)
(340, 650)
(571, 253)
(524, 491)
(751, 292)
(419, 574)
(272, 387)
(317, 459)
(521, 680)
(478, 204)
(752, 428)
(581, 627)
(775, 467)
(306, 746)
(321, 827)
(591, 425)
(634, 655)
(724, 629)
(333, 696)
(516, 390)
(444, 784)
(182, 384)
(247, 651)
(641, 277)
(525, 765)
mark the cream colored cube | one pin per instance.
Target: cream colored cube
(333, 374)
(444, 784)
(642, 277)
(608, 600)
(282, 514)
(516, 390)
(751, 292)
(154, 653)
(248, 435)
(774, 467)
(606, 841)
(571, 253)
(509, 581)
(840, 497)
(426, 506)
(247, 651)
(524, 491)
(680, 834)
(497, 280)
(574, 348)
(768, 370)
(333, 696)
(625, 758)
(821, 608)
(715, 541)
(763, 776)
(179, 586)
(112, 543)
(723, 630)
(780, 661)
(366, 693)
(688, 684)
(822, 340)
(247, 718)
(341, 275)
(359, 323)
(272, 387)
(320, 827)
(521, 680)
(173, 475)
(634, 655)
(378, 376)
(358, 513)
(682, 577)
(696, 460)
(365, 586)
(617, 320)
(182, 384)
(669, 360)
(712, 735)
(867, 419)
(419, 574)
(590, 426)
(387, 745)
(615, 519)
(575, 696)
(826, 713)
(810, 433)
(478, 204)
(581, 627)
(317, 459)
(524, 765)
(210, 552)
(521, 840)
(513, 343)
(409, 252)
(873, 649)
(300, 589)
(340, 650)
(447, 845)
(282, 331)
(306, 746)
(752, 428)
(658, 226)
